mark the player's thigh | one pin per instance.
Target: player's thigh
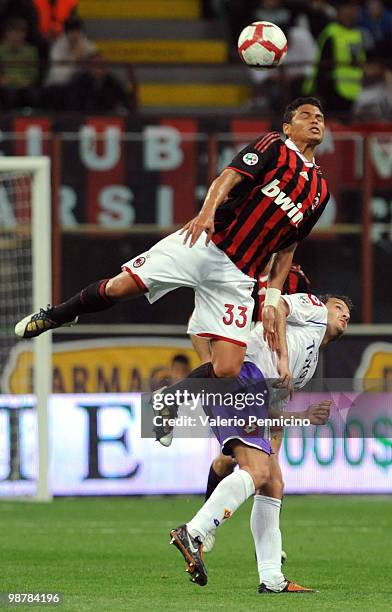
(169, 264)
(202, 348)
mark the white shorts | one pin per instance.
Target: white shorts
(223, 294)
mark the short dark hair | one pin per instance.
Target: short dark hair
(181, 358)
(328, 296)
(295, 104)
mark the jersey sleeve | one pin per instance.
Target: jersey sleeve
(305, 308)
(254, 159)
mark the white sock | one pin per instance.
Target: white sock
(264, 523)
(233, 491)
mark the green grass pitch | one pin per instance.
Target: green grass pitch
(113, 554)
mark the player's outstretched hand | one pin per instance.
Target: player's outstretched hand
(318, 414)
(194, 228)
(269, 327)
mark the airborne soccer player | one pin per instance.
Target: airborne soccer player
(266, 201)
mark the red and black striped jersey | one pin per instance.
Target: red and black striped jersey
(277, 204)
(296, 282)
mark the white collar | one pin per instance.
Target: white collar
(291, 145)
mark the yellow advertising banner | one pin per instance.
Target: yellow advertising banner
(110, 365)
(375, 369)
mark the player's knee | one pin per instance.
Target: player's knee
(121, 286)
(274, 487)
(260, 475)
(113, 288)
(223, 465)
(279, 487)
(226, 369)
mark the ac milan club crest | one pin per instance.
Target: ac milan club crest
(139, 262)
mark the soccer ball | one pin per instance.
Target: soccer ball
(262, 44)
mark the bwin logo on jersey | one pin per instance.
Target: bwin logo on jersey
(272, 190)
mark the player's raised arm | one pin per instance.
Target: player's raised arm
(216, 195)
(280, 268)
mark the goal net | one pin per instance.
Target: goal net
(25, 366)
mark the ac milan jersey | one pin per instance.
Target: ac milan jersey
(277, 204)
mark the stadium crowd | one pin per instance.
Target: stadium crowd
(338, 51)
(48, 62)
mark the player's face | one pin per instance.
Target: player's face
(307, 125)
(338, 317)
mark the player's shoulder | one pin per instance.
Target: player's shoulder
(305, 308)
(269, 140)
(306, 299)
(258, 155)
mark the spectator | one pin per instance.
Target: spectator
(67, 51)
(338, 74)
(375, 100)
(22, 9)
(52, 15)
(376, 23)
(318, 14)
(272, 10)
(180, 367)
(19, 62)
(95, 90)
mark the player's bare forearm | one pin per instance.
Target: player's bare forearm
(317, 414)
(280, 267)
(216, 195)
(280, 340)
(282, 348)
(220, 189)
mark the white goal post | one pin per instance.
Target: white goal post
(35, 171)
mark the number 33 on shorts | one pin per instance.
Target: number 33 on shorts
(235, 314)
